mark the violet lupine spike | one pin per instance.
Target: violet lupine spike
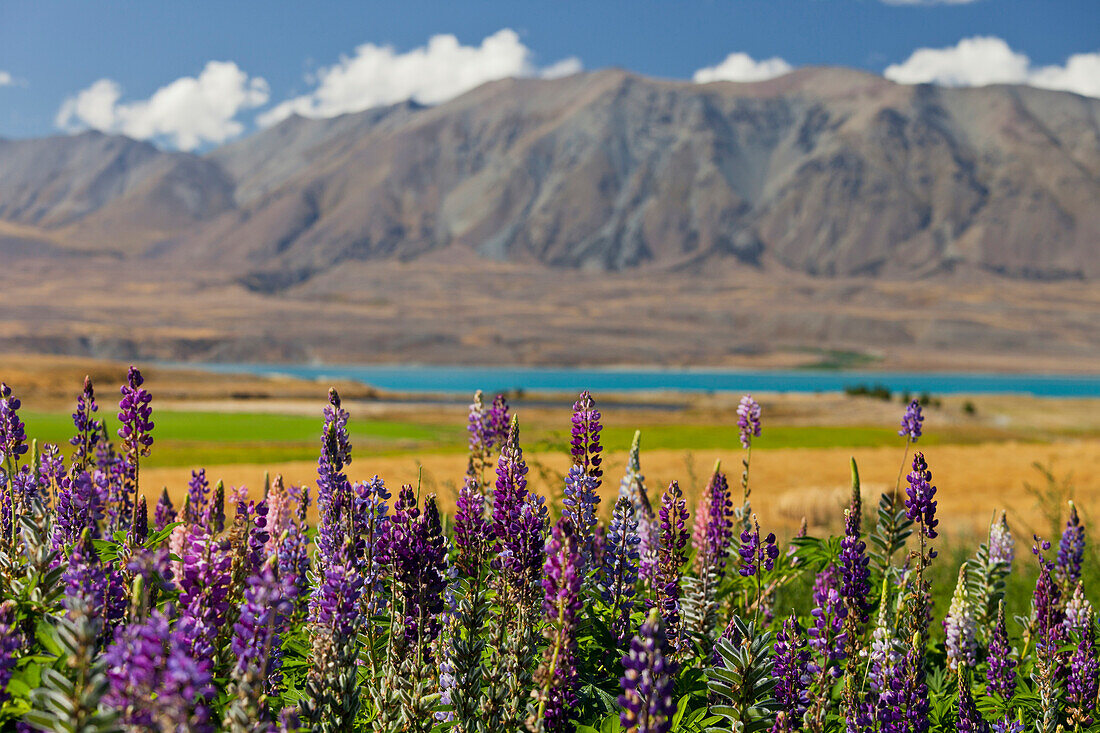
(499, 421)
(748, 420)
(256, 643)
(1002, 545)
(580, 504)
(1071, 552)
(135, 415)
(920, 505)
(855, 588)
(1000, 674)
(960, 627)
(671, 555)
(334, 491)
(1084, 673)
(79, 508)
(334, 607)
(420, 553)
(519, 517)
(471, 529)
(556, 678)
(648, 681)
(164, 513)
(1046, 608)
(139, 525)
(911, 422)
(717, 534)
(51, 469)
(88, 582)
(790, 659)
(585, 442)
(757, 556)
(968, 718)
(13, 432)
(198, 497)
(481, 437)
(293, 558)
(619, 574)
(205, 579)
(371, 527)
(88, 429)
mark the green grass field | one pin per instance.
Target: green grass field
(212, 438)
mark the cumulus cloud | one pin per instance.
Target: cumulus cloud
(6, 79)
(742, 67)
(186, 113)
(440, 70)
(985, 60)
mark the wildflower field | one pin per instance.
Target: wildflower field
(345, 604)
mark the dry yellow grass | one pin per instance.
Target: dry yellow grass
(973, 480)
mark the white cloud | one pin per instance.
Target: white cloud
(441, 70)
(6, 79)
(742, 67)
(186, 113)
(985, 60)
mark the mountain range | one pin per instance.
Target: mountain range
(821, 176)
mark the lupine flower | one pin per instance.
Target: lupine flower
(556, 678)
(519, 517)
(499, 421)
(11, 641)
(911, 422)
(204, 578)
(214, 520)
(885, 654)
(648, 681)
(748, 420)
(13, 434)
(826, 636)
(580, 504)
(1002, 546)
(51, 469)
(1078, 610)
(292, 553)
(334, 607)
(198, 497)
(1084, 673)
(585, 442)
(79, 508)
(280, 512)
(969, 720)
(256, 643)
(632, 486)
(419, 552)
(1046, 610)
(790, 659)
(757, 556)
(855, 588)
(1071, 552)
(88, 429)
(1001, 672)
(134, 414)
(717, 519)
(139, 526)
(481, 435)
(960, 628)
(920, 507)
(472, 534)
(620, 568)
(673, 516)
(164, 513)
(1007, 724)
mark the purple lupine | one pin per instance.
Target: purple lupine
(138, 532)
(79, 508)
(580, 505)
(619, 574)
(198, 498)
(557, 677)
(1071, 552)
(920, 506)
(671, 555)
(648, 681)
(1000, 674)
(97, 587)
(1047, 613)
(481, 437)
(826, 636)
(11, 641)
(88, 429)
(1002, 545)
(1007, 724)
(855, 587)
(960, 627)
(790, 659)
(13, 433)
(419, 551)
(293, 557)
(498, 421)
(511, 486)
(717, 519)
(214, 518)
(205, 579)
(164, 513)
(519, 517)
(911, 422)
(334, 492)
(968, 719)
(585, 442)
(1084, 673)
(756, 555)
(256, 643)
(371, 527)
(471, 531)
(748, 420)
(334, 606)
(50, 470)
(135, 415)
(884, 655)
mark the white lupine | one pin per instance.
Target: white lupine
(959, 626)
(1002, 545)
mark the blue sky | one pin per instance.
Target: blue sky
(72, 65)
